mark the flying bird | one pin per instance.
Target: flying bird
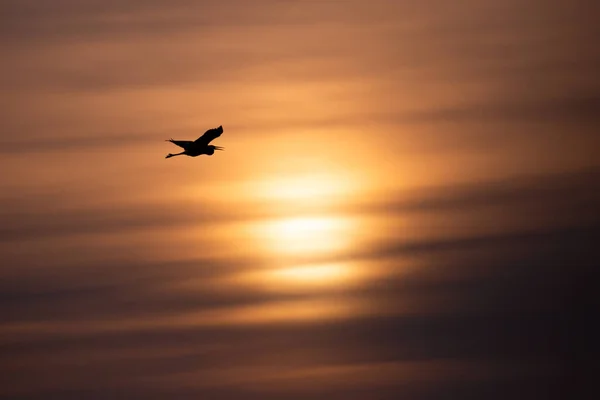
(199, 146)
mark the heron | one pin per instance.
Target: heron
(199, 146)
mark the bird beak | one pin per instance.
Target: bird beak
(219, 148)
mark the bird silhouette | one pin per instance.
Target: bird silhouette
(199, 146)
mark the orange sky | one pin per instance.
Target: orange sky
(393, 170)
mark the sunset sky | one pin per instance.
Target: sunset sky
(405, 207)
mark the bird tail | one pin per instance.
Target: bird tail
(184, 144)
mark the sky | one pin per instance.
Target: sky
(405, 206)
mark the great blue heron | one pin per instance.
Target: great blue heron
(199, 146)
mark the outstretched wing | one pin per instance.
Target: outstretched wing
(209, 136)
(184, 144)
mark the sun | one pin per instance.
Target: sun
(304, 235)
(303, 231)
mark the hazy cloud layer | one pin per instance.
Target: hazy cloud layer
(492, 299)
(406, 207)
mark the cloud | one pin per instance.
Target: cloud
(566, 110)
(32, 20)
(515, 197)
(453, 270)
(38, 225)
(579, 108)
(91, 18)
(482, 288)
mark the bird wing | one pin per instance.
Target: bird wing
(209, 136)
(184, 144)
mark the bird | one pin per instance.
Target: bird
(199, 146)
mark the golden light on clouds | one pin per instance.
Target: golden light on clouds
(311, 274)
(277, 311)
(305, 277)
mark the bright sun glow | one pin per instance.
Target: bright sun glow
(305, 235)
(313, 188)
(289, 191)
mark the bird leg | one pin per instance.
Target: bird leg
(173, 155)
